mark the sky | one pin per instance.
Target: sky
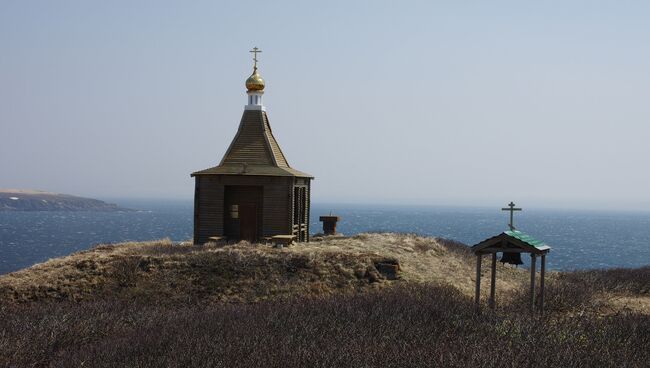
(468, 103)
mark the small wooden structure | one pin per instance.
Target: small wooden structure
(511, 242)
(281, 240)
(253, 193)
(329, 224)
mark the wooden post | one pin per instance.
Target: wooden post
(478, 282)
(493, 284)
(532, 281)
(541, 284)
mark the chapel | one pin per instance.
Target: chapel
(253, 193)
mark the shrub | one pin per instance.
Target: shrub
(416, 326)
(125, 271)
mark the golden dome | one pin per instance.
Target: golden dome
(255, 81)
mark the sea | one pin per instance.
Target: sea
(579, 239)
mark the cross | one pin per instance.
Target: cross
(255, 50)
(512, 209)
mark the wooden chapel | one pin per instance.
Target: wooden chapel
(253, 193)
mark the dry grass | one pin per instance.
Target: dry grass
(626, 303)
(161, 271)
(410, 326)
(423, 259)
(322, 304)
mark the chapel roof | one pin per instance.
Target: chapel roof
(254, 151)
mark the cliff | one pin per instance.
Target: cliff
(32, 200)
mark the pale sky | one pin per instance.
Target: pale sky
(446, 103)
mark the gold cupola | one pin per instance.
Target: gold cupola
(255, 81)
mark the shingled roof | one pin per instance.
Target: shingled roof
(254, 151)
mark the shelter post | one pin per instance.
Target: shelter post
(541, 283)
(493, 281)
(533, 267)
(478, 282)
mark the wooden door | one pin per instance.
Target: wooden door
(239, 202)
(248, 222)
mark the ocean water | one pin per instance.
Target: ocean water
(579, 239)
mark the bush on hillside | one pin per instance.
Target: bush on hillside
(416, 326)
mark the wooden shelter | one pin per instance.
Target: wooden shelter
(510, 242)
(253, 193)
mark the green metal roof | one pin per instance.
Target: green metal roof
(526, 238)
(512, 238)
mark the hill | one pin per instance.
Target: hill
(162, 271)
(32, 200)
(388, 300)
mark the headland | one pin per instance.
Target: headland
(35, 200)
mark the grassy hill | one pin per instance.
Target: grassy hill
(389, 300)
(161, 271)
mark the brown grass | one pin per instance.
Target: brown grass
(244, 272)
(322, 304)
(410, 326)
(163, 272)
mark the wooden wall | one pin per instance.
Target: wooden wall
(209, 205)
(208, 208)
(277, 220)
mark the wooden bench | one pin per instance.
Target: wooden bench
(283, 240)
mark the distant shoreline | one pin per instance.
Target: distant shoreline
(27, 200)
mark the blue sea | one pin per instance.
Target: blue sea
(579, 239)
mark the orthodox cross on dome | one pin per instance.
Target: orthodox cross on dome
(512, 209)
(255, 85)
(255, 50)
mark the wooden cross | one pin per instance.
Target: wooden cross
(255, 50)
(512, 209)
